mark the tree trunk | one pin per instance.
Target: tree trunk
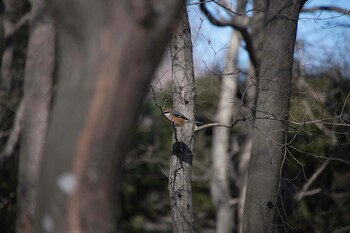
(269, 136)
(220, 185)
(39, 72)
(183, 141)
(256, 24)
(108, 52)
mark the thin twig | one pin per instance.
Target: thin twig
(161, 110)
(314, 176)
(166, 175)
(236, 25)
(156, 101)
(15, 133)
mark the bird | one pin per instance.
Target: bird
(176, 117)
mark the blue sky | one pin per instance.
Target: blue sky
(324, 34)
(329, 32)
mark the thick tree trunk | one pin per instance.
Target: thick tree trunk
(182, 152)
(39, 72)
(220, 185)
(108, 52)
(269, 135)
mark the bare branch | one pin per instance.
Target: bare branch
(158, 105)
(156, 101)
(317, 156)
(210, 125)
(312, 192)
(236, 25)
(314, 176)
(327, 8)
(15, 133)
(220, 124)
(324, 121)
(228, 9)
(20, 23)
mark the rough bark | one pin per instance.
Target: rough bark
(220, 185)
(108, 52)
(39, 72)
(180, 190)
(273, 98)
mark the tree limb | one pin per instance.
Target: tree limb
(220, 124)
(20, 23)
(327, 8)
(14, 135)
(314, 176)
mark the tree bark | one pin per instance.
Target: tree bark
(269, 137)
(39, 73)
(108, 52)
(180, 190)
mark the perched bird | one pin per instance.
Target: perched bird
(176, 117)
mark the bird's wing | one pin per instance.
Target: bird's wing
(179, 114)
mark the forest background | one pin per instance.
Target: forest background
(315, 179)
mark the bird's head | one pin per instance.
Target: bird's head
(167, 111)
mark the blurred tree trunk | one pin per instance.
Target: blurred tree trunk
(220, 185)
(183, 142)
(108, 52)
(39, 72)
(269, 137)
(256, 25)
